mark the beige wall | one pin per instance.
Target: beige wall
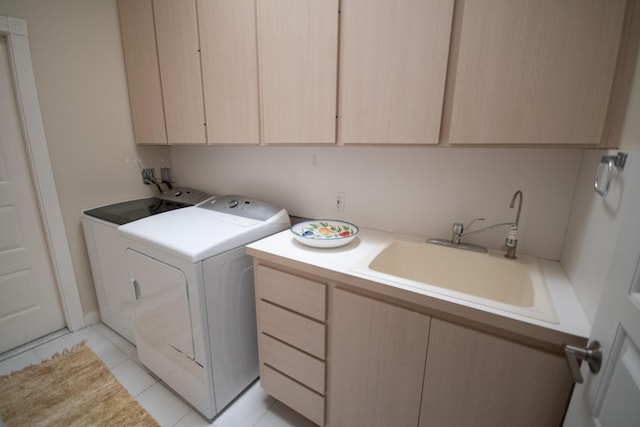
(419, 190)
(79, 72)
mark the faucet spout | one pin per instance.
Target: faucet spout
(512, 238)
(517, 195)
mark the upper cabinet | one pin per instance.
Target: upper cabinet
(545, 72)
(162, 58)
(179, 59)
(393, 63)
(298, 56)
(143, 71)
(230, 70)
(532, 72)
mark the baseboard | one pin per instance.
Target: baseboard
(91, 318)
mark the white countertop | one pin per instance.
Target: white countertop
(571, 317)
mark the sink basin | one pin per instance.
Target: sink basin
(489, 279)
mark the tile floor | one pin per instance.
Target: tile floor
(253, 409)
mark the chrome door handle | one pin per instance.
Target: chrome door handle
(592, 355)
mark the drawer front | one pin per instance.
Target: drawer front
(305, 334)
(301, 295)
(292, 394)
(294, 363)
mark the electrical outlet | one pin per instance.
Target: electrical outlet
(339, 202)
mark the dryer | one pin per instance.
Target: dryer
(194, 320)
(108, 265)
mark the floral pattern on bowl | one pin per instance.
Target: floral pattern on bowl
(324, 233)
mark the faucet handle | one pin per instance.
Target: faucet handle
(456, 232)
(477, 219)
(458, 228)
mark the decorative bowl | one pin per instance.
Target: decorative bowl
(324, 233)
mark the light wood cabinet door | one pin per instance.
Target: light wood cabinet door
(535, 72)
(229, 55)
(393, 62)
(376, 362)
(179, 58)
(143, 71)
(473, 378)
(298, 54)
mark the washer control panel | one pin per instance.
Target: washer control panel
(242, 206)
(185, 195)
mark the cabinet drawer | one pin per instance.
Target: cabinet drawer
(293, 292)
(292, 394)
(292, 362)
(300, 332)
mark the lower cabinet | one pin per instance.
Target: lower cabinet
(345, 357)
(376, 363)
(291, 313)
(474, 378)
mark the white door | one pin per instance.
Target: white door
(29, 303)
(612, 397)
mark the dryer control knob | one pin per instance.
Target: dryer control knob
(232, 203)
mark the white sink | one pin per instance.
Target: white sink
(489, 279)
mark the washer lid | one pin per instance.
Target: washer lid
(195, 234)
(132, 210)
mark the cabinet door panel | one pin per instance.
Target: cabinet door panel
(143, 72)
(179, 58)
(230, 70)
(393, 62)
(473, 378)
(298, 45)
(535, 72)
(376, 362)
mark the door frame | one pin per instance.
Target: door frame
(15, 30)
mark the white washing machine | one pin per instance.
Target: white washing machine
(194, 321)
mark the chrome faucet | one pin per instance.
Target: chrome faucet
(458, 231)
